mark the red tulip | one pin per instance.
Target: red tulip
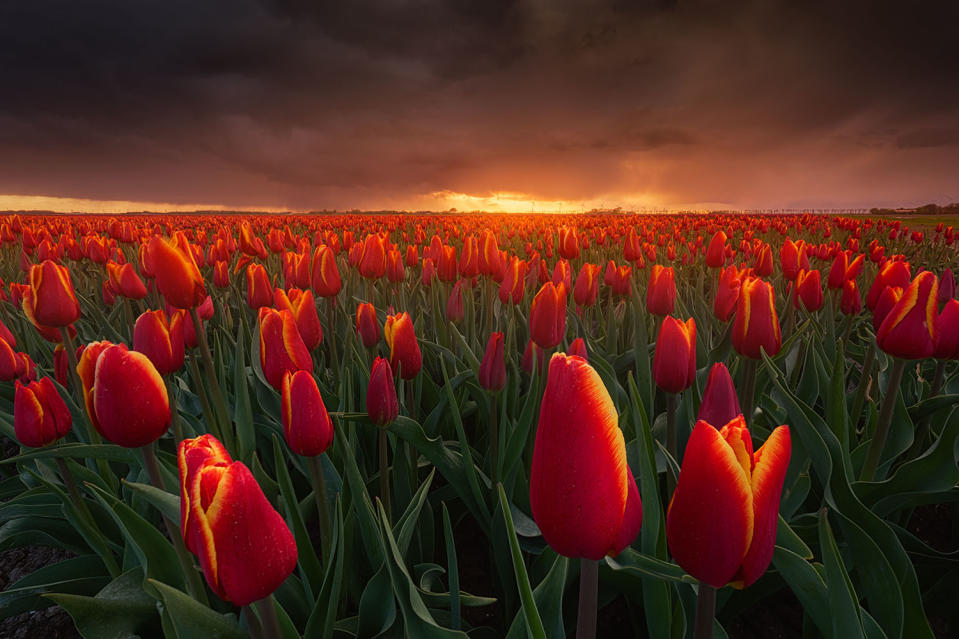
(395, 271)
(160, 339)
(947, 331)
(716, 253)
(177, 275)
(947, 286)
(579, 484)
(837, 272)
(850, 303)
(808, 289)
(727, 293)
(245, 548)
(791, 257)
(492, 370)
(757, 324)
(307, 426)
(301, 304)
(40, 416)
(763, 263)
(367, 324)
(454, 305)
(674, 364)
(512, 287)
(909, 330)
(887, 301)
(120, 375)
(587, 285)
(325, 275)
(8, 362)
(372, 263)
(405, 356)
(720, 403)
(221, 275)
(259, 290)
(661, 292)
(381, 403)
(281, 348)
(53, 302)
(721, 522)
(429, 272)
(547, 316)
(578, 348)
(893, 273)
(527, 360)
(124, 281)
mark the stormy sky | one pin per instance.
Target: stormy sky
(427, 104)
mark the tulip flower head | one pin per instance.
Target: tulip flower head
(947, 331)
(405, 356)
(382, 404)
(176, 272)
(492, 371)
(580, 485)
(547, 316)
(674, 364)
(40, 416)
(721, 521)
(160, 339)
(281, 348)
(909, 330)
(661, 292)
(756, 325)
(307, 426)
(53, 302)
(121, 374)
(720, 403)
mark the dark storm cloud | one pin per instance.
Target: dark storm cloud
(311, 104)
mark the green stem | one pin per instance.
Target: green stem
(86, 517)
(588, 592)
(748, 387)
(219, 403)
(204, 401)
(671, 445)
(271, 624)
(493, 446)
(253, 622)
(194, 585)
(331, 324)
(384, 472)
(322, 508)
(885, 419)
(174, 413)
(867, 364)
(71, 350)
(937, 380)
(705, 611)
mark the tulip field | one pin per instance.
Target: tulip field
(404, 425)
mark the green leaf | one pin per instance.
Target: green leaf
(121, 609)
(842, 600)
(548, 596)
(534, 623)
(107, 452)
(242, 408)
(453, 567)
(167, 503)
(807, 584)
(377, 608)
(193, 620)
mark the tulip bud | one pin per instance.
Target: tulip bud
(808, 289)
(191, 455)
(721, 521)
(674, 364)
(301, 304)
(547, 317)
(429, 272)
(221, 275)
(405, 356)
(177, 275)
(716, 253)
(53, 302)
(527, 360)
(850, 303)
(381, 403)
(757, 324)
(909, 330)
(727, 293)
(587, 285)
(61, 365)
(790, 256)
(763, 263)
(947, 286)
(947, 331)
(837, 272)
(40, 416)
(367, 324)
(372, 264)
(454, 305)
(892, 273)
(579, 483)
(720, 403)
(120, 376)
(8, 362)
(306, 423)
(514, 282)
(259, 290)
(578, 348)
(125, 282)
(492, 371)
(5, 333)
(281, 348)
(245, 548)
(160, 339)
(622, 282)
(661, 292)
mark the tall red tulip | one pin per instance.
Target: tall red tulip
(909, 330)
(720, 403)
(129, 398)
(716, 253)
(382, 404)
(40, 416)
(727, 293)
(807, 288)
(547, 316)
(325, 275)
(757, 324)
(947, 331)
(176, 272)
(492, 371)
(405, 356)
(160, 339)
(587, 285)
(53, 302)
(674, 364)
(721, 521)
(259, 290)
(307, 426)
(661, 292)
(367, 324)
(125, 281)
(281, 348)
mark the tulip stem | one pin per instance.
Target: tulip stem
(174, 413)
(219, 404)
(193, 583)
(271, 624)
(493, 445)
(885, 419)
(384, 472)
(204, 401)
(937, 380)
(749, 387)
(331, 324)
(86, 517)
(77, 384)
(857, 403)
(671, 445)
(588, 592)
(705, 611)
(322, 507)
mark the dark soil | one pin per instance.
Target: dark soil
(49, 623)
(778, 616)
(932, 524)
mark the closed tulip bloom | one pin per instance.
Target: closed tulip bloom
(492, 371)
(381, 403)
(8, 362)
(245, 548)
(727, 294)
(674, 364)
(579, 483)
(532, 353)
(40, 416)
(721, 521)
(306, 423)
(578, 348)
(892, 273)
(947, 286)
(191, 455)
(86, 370)
(61, 364)
(6, 335)
(837, 272)
(53, 302)
(513, 286)
(562, 274)
(281, 348)
(325, 274)
(429, 272)
(489, 256)
(160, 339)
(547, 317)
(303, 307)
(909, 330)
(129, 398)
(446, 265)
(176, 272)
(587, 285)
(405, 355)
(790, 257)
(623, 283)
(808, 290)
(372, 263)
(221, 275)
(947, 331)
(851, 302)
(757, 324)
(395, 271)
(855, 267)
(367, 324)
(887, 301)
(763, 262)
(661, 292)
(204, 311)
(259, 290)
(454, 305)
(716, 253)
(125, 281)
(568, 243)
(720, 402)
